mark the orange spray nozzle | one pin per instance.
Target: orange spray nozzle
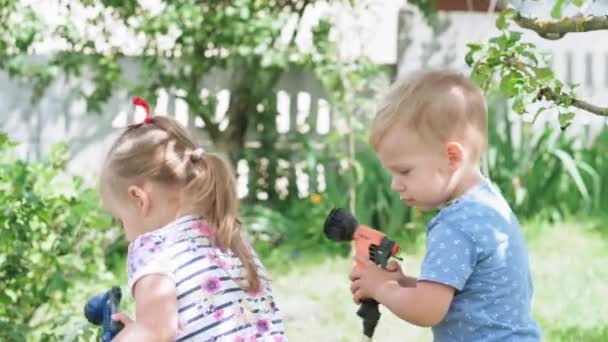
(371, 244)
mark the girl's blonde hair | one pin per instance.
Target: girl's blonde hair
(163, 152)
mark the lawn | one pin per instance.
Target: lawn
(568, 263)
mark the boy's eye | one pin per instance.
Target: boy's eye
(404, 172)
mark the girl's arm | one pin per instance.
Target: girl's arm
(155, 309)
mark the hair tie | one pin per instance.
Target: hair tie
(138, 101)
(197, 154)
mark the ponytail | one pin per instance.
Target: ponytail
(212, 190)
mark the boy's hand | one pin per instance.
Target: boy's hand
(395, 270)
(367, 279)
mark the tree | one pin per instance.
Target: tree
(523, 72)
(519, 71)
(178, 43)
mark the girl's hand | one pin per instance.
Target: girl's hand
(155, 310)
(367, 280)
(122, 317)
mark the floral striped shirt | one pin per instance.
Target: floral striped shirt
(211, 304)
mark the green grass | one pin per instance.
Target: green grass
(568, 264)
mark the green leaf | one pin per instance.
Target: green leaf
(531, 56)
(537, 114)
(11, 294)
(565, 118)
(468, 58)
(509, 85)
(572, 169)
(544, 74)
(474, 46)
(501, 21)
(481, 75)
(514, 36)
(596, 180)
(510, 13)
(556, 11)
(519, 106)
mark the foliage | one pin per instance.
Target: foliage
(596, 156)
(539, 171)
(559, 5)
(518, 69)
(52, 233)
(178, 46)
(515, 68)
(348, 86)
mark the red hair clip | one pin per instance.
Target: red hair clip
(138, 101)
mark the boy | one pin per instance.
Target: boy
(475, 283)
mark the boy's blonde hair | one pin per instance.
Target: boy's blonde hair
(437, 104)
(162, 152)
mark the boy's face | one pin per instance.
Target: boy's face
(420, 172)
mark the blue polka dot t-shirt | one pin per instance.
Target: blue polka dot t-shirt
(475, 245)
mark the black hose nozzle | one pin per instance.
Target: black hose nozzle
(370, 314)
(340, 225)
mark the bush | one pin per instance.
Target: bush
(539, 171)
(52, 234)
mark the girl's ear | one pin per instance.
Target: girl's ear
(140, 199)
(455, 153)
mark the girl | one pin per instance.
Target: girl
(191, 272)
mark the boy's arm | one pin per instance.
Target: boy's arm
(424, 304)
(156, 311)
(448, 247)
(408, 281)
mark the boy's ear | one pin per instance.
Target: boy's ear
(139, 198)
(455, 153)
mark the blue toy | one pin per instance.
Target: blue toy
(99, 311)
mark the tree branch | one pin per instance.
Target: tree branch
(553, 96)
(211, 127)
(556, 29)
